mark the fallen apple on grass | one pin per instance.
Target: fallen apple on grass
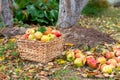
(70, 56)
(107, 69)
(78, 55)
(112, 62)
(116, 51)
(77, 51)
(101, 60)
(109, 55)
(91, 62)
(79, 62)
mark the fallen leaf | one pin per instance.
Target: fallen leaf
(2, 58)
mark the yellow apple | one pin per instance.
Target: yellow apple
(101, 60)
(70, 56)
(38, 35)
(30, 31)
(107, 69)
(45, 38)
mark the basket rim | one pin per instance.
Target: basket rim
(34, 41)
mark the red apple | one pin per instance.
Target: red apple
(56, 33)
(112, 62)
(101, 60)
(92, 63)
(90, 60)
(79, 55)
(77, 51)
(109, 55)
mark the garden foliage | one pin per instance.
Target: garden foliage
(95, 7)
(44, 12)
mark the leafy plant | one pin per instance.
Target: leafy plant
(44, 12)
(94, 7)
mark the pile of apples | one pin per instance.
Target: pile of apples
(45, 35)
(107, 62)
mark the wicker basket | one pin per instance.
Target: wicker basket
(40, 51)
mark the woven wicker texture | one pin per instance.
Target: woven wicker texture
(40, 51)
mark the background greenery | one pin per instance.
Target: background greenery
(95, 7)
(43, 12)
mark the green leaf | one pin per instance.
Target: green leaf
(42, 29)
(27, 78)
(14, 53)
(16, 6)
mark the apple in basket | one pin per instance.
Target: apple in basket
(25, 36)
(38, 35)
(30, 31)
(48, 30)
(56, 33)
(31, 37)
(45, 38)
(51, 36)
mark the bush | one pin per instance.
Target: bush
(44, 12)
(94, 7)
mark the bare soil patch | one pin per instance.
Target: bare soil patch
(85, 36)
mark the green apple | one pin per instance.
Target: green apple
(45, 38)
(38, 35)
(78, 62)
(70, 56)
(51, 36)
(31, 37)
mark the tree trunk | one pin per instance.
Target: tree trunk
(7, 19)
(6, 13)
(69, 12)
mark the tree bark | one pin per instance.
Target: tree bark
(6, 13)
(69, 12)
